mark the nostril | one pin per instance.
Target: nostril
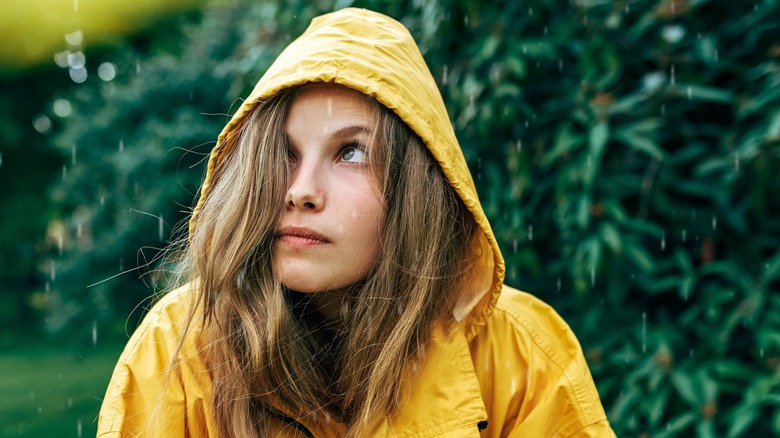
(308, 204)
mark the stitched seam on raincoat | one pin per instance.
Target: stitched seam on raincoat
(597, 423)
(543, 346)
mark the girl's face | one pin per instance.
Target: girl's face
(328, 236)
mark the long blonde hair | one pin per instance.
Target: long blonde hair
(268, 355)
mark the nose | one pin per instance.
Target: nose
(305, 191)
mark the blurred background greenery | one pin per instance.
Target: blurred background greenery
(627, 154)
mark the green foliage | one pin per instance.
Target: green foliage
(627, 154)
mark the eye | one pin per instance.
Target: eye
(353, 153)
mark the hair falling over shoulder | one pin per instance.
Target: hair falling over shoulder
(268, 357)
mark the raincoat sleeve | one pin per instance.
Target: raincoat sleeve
(533, 375)
(142, 399)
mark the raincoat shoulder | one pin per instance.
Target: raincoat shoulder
(135, 403)
(533, 377)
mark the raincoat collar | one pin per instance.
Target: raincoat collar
(376, 55)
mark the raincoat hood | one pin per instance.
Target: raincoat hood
(374, 54)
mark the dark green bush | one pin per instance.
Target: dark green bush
(626, 152)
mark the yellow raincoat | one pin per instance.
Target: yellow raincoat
(513, 368)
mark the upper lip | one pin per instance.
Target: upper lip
(301, 232)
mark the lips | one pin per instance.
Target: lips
(300, 237)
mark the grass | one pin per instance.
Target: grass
(48, 391)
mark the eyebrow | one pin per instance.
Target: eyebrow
(350, 131)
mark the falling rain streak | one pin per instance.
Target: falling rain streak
(94, 333)
(644, 332)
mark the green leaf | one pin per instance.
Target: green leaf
(685, 389)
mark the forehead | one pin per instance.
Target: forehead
(319, 109)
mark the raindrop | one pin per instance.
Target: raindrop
(663, 110)
(78, 428)
(519, 145)
(42, 124)
(107, 71)
(690, 92)
(627, 9)
(73, 155)
(672, 75)
(94, 333)
(74, 38)
(137, 66)
(62, 107)
(514, 246)
(78, 74)
(160, 222)
(530, 233)
(60, 243)
(560, 66)
(545, 30)
(716, 56)
(47, 287)
(78, 230)
(121, 264)
(75, 5)
(102, 200)
(61, 59)
(592, 277)
(761, 352)
(40, 409)
(653, 80)
(736, 162)
(644, 332)
(121, 145)
(444, 74)
(53, 271)
(1, 159)
(559, 284)
(690, 353)
(466, 20)
(673, 33)
(77, 60)
(684, 235)
(530, 12)
(64, 171)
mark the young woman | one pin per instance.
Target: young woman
(344, 280)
